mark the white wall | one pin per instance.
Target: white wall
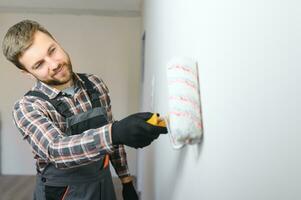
(106, 46)
(249, 61)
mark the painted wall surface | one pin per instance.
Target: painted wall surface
(250, 76)
(106, 46)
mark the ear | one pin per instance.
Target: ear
(29, 75)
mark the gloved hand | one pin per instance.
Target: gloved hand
(129, 192)
(134, 131)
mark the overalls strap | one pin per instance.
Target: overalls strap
(93, 93)
(59, 106)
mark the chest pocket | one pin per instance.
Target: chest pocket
(91, 119)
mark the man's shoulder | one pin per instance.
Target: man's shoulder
(23, 102)
(27, 100)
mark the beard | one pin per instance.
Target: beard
(67, 77)
(63, 80)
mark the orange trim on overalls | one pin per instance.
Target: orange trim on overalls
(65, 194)
(106, 161)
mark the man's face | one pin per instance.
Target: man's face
(48, 62)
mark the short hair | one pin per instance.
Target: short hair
(19, 38)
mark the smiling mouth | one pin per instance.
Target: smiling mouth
(59, 70)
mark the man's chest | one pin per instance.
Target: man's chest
(69, 106)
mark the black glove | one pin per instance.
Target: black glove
(129, 192)
(135, 132)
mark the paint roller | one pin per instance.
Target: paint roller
(184, 118)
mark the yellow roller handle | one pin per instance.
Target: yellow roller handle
(156, 120)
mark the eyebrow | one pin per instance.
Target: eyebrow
(48, 50)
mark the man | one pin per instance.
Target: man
(67, 120)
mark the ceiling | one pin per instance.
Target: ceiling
(94, 7)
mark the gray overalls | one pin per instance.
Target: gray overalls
(88, 182)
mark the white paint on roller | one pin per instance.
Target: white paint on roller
(184, 119)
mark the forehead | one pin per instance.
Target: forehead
(38, 49)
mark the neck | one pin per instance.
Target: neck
(65, 85)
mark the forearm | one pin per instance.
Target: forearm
(80, 149)
(49, 143)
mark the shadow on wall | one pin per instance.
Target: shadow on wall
(177, 169)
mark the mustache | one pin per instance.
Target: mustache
(60, 66)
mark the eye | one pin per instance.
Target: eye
(38, 65)
(52, 50)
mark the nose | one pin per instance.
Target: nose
(52, 64)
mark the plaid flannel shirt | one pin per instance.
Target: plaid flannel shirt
(44, 129)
